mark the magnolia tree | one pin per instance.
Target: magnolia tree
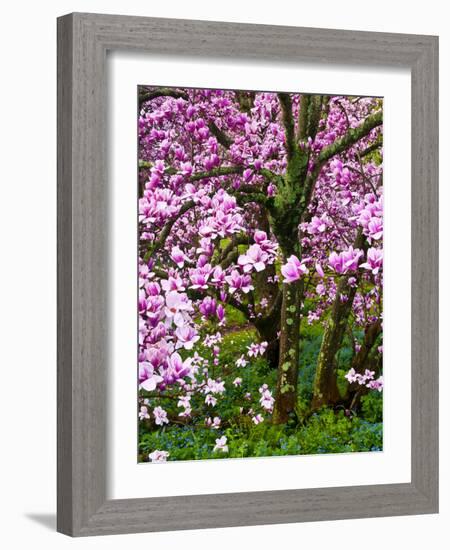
(269, 203)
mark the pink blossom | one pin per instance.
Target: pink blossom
(374, 260)
(214, 386)
(176, 368)
(320, 289)
(143, 413)
(185, 402)
(366, 379)
(177, 307)
(210, 400)
(271, 190)
(345, 261)
(216, 423)
(173, 283)
(148, 378)
(187, 337)
(186, 169)
(160, 416)
(260, 236)
(267, 401)
(158, 456)
(293, 270)
(375, 227)
(199, 280)
(254, 258)
(318, 225)
(376, 384)
(319, 270)
(178, 256)
(237, 382)
(220, 313)
(206, 247)
(257, 419)
(212, 161)
(351, 375)
(208, 307)
(256, 349)
(218, 275)
(241, 362)
(239, 282)
(212, 339)
(221, 444)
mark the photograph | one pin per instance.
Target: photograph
(260, 307)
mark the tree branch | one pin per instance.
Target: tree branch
(274, 311)
(216, 172)
(288, 123)
(159, 243)
(146, 164)
(350, 138)
(340, 146)
(222, 137)
(315, 112)
(303, 116)
(271, 176)
(228, 253)
(245, 100)
(243, 308)
(161, 92)
(375, 145)
(248, 197)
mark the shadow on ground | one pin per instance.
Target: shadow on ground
(46, 520)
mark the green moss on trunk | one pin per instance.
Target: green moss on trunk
(286, 390)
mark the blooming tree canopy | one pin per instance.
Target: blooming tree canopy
(270, 204)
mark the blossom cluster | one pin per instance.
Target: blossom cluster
(367, 379)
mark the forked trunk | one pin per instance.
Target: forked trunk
(326, 391)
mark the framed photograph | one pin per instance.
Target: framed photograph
(247, 274)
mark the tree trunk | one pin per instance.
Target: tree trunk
(361, 361)
(268, 332)
(268, 326)
(371, 334)
(325, 391)
(286, 390)
(325, 383)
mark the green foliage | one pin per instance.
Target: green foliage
(372, 406)
(235, 318)
(326, 431)
(310, 340)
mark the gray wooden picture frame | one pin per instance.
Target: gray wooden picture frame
(83, 41)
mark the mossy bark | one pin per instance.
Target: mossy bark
(325, 390)
(286, 390)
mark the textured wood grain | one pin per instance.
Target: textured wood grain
(83, 40)
(64, 335)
